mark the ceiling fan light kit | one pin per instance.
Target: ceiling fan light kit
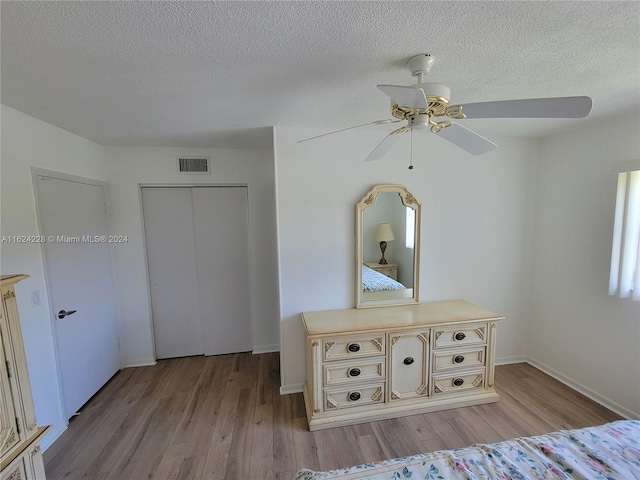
(418, 104)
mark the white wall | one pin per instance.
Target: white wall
(475, 227)
(130, 167)
(576, 330)
(28, 142)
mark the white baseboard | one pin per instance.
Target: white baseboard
(140, 362)
(510, 360)
(266, 349)
(52, 436)
(293, 388)
(586, 391)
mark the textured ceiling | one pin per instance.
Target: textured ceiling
(217, 73)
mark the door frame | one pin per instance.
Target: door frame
(144, 243)
(35, 173)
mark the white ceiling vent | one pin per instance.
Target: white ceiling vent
(194, 165)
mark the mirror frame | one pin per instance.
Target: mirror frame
(369, 199)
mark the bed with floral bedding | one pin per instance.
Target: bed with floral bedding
(610, 451)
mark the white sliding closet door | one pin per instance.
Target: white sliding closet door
(173, 275)
(198, 255)
(222, 252)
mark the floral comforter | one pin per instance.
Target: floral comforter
(610, 451)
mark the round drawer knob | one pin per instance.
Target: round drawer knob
(354, 396)
(460, 336)
(353, 347)
(458, 358)
(408, 361)
(354, 372)
(458, 381)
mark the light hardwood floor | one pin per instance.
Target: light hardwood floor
(222, 417)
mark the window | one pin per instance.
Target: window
(410, 226)
(624, 276)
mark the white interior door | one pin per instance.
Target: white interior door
(72, 213)
(198, 258)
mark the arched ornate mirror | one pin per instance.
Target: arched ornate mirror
(387, 247)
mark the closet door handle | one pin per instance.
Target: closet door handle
(63, 313)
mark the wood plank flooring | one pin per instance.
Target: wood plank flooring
(222, 417)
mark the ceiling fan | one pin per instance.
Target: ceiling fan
(425, 106)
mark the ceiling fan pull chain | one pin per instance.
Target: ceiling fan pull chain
(411, 149)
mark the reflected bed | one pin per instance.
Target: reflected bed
(373, 281)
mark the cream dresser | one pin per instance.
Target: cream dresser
(19, 435)
(378, 363)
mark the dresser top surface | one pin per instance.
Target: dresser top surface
(12, 278)
(400, 316)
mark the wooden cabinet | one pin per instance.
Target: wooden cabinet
(408, 364)
(372, 364)
(20, 436)
(388, 269)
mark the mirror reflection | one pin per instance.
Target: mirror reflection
(388, 247)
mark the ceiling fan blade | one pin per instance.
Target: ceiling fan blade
(467, 139)
(385, 145)
(561, 107)
(406, 96)
(377, 122)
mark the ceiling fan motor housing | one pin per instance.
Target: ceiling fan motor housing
(437, 95)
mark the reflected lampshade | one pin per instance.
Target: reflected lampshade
(384, 233)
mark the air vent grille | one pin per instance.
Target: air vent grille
(193, 165)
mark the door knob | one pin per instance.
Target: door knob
(63, 313)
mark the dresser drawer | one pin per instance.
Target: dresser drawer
(450, 337)
(455, 383)
(355, 346)
(339, 398)
(448, 360)
(340, 373)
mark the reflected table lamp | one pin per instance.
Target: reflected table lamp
(383, 234)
